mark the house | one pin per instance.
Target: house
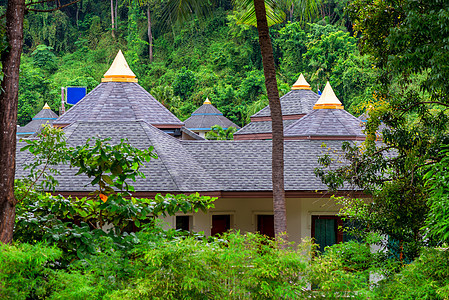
(45, 116)
(206, 116)
(237, 172)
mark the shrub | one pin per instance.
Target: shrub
(426, 278)
(23, 269)
(235, 265)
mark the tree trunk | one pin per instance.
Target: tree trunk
(8, 116)
(77, 14)
(150, 35)
(112, 19)
(116, 14)
(291, 12)
(280, 214)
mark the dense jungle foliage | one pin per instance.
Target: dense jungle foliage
(213, 56)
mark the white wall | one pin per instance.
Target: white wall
(243, 213)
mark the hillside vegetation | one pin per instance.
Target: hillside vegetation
(213, 57)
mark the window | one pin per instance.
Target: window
(183, 222)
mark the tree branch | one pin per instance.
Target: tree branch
(53, 9)
(424, 102)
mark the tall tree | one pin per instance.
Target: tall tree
(277, 127)
(15, 12)
(267, 13)
(10, 57)
(150, 34)
(112, 19)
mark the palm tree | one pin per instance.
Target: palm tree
(266, 12)
(277, 127)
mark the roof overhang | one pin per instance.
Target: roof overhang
(236, 194)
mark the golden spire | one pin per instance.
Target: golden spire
(207, 101)
(301, 84)
(119, 71)
(328, 99)
(46, 106)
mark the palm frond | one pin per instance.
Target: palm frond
(177, 11)
(275, 14)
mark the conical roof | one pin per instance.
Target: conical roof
(301, 84)
(299, 101)
(120, 100)
(328, 99)
(207, 116)
(326, 124)
(45, 116)
(119, 71)
(295, 104)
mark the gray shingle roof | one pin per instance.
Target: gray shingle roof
(207, 109)
(326, 123)
(246, 165)
(261, 127)
(175, 170)
(45, 116)
(190, 166)
(295, 102)
(207, 116)
(119, 101)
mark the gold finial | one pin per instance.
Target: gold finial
(119, 71)
(328, 99)
(301, 84)
(46, 106)
(207, 101)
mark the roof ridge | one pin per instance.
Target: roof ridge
(158, 155)
(177, 177)
(155, 101)
(344, 126)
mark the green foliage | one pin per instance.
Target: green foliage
(44, 58)
(252, 86)
(48, 149)
(437, 223)
(426, 278)
(184, 83)
(342, 270)
(237, 265)
(34, 89)
(23, 269)
(218, 133)
(110, 165)
(410, 103)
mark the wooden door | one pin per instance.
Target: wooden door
(265, 225)
(220, 224)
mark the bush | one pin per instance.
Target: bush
(244, 266)
(342, 271)
(425, 278)
(23, 269)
